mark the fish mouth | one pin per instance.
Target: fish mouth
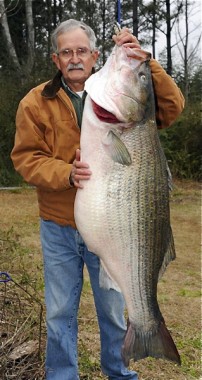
(104, 115)
(108, 117)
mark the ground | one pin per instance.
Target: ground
(22, 311)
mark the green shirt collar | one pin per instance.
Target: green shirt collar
(77, 101)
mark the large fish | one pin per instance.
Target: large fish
(122, 212)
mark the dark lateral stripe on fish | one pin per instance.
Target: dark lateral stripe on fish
(103, 114)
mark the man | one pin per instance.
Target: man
(46, 153)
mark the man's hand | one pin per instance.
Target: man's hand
(126, 38)
(80, 170)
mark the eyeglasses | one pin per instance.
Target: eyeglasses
(69, 53)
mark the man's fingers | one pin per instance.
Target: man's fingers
(78, 185)
(78, 155)
(80, 164)
(78, 178)
(124, 37)
(80, 171)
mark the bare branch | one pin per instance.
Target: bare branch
(7, 9)
(7, 35)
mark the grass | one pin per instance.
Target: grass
(179, 291)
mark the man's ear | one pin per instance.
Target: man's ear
(55, 59)
(95, 55)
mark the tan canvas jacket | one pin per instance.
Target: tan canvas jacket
(47, 136)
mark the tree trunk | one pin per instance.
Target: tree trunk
(103, 33)
(186, 75)
(22, 70)
(31, 35)
(6, 32)
(48, 4)
(154, 28)
(135, 18)
(168, 38)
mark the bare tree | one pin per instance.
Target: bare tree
(22, 69)
(7, 36)
(161, 15)
(171, 18)
(188, 53)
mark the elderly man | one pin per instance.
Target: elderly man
(46, 153)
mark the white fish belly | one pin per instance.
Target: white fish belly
(111, 210)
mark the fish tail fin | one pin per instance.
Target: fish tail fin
(138, 345)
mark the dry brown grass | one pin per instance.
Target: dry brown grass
(179, 290)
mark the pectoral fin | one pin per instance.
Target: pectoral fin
(116, 149)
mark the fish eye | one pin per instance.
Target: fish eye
(142, 76)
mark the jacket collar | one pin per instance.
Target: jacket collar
(52, 87)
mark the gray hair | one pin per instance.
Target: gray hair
(72, 24)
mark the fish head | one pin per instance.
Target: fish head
(122, 90)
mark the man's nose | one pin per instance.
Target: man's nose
(75, 58)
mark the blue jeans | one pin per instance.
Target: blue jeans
(65, 253)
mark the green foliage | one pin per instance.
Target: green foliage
(189, 293)
(10, 94)
(87, 364)
(195, 84)
(182, 143)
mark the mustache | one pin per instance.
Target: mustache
(73, 66)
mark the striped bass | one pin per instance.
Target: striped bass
(122, 212)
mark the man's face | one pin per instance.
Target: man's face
(75, 66)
